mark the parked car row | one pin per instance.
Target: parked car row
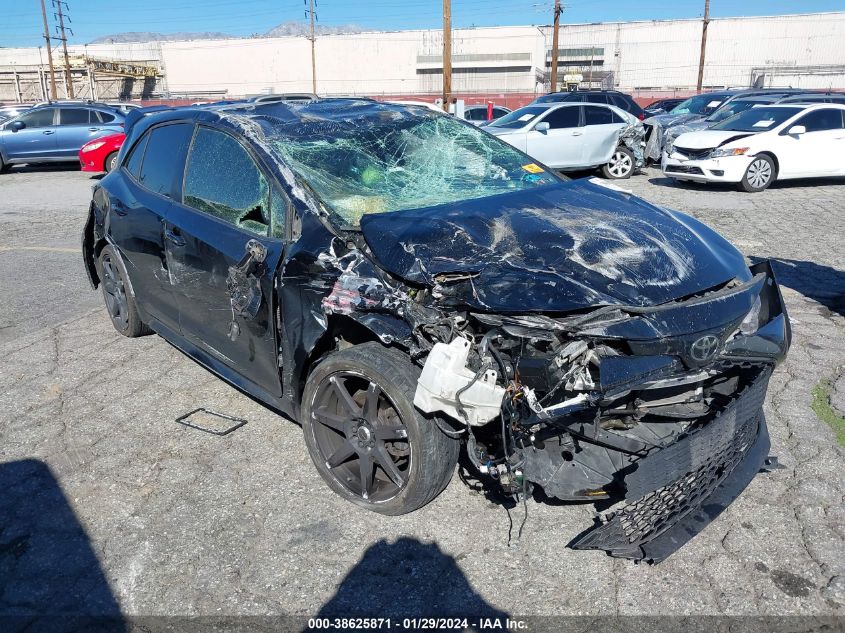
(716, 106)
(760, 145)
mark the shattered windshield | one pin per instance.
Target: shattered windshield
(379, 164)
(701, 104)
(520, 118)
(757, 119)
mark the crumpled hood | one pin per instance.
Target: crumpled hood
(705, 139)
(552, 249)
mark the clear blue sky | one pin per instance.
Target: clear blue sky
(21, 19)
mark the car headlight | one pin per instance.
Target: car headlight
(92, 146)
(751, 322)
(719, 152)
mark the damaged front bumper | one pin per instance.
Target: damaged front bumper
(674, 493)
(656, 409)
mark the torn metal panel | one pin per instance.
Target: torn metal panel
(555, 249)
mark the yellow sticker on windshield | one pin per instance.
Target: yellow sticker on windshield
(531, 168)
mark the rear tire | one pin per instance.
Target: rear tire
(621, 165)
(760, 174)
(111, 162)
(366, 438)
(120, 304)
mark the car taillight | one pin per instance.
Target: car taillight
(642, 116)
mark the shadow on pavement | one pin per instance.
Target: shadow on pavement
(664, 181)
(815, 281)
(50, 578)
(407, 579)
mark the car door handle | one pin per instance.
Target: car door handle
(48, 132)
(172, 236)
(577, 133)
(93, 129)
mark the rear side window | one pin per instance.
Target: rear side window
(596, 98)
(105, 117)
(497, 112)
(39, 118)
(564, 117)
(822, 120)
(600, 116)
(137, 155)
(222, 179)
(74, 116)
(476, 114)
(161, 158)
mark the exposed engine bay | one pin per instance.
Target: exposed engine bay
(575, 407)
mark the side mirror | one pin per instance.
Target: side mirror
(17, 126)
(797, 130)
(542, 126)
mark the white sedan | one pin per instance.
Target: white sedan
(761, 145)
(570, 135)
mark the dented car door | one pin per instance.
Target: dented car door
(222, 258)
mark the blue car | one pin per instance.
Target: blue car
(55, 132)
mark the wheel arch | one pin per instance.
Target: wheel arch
(342, 331)
(774, 158)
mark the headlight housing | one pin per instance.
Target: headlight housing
(751, 322)
(720, 152)
(92, 146)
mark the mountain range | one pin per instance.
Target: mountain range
(285, 29)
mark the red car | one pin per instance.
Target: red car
(101, 153)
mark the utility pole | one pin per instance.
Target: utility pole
(69, 79)
(555, 36)
(313, 39)
(447, 53)
(53, 95)
(703, 44)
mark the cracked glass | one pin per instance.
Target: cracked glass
(380, 164)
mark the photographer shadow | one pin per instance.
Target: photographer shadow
(407, 579)
(50, 578)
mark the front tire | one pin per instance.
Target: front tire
(759, 175)
(366, 439)
(120, 304)
(4, 167)
(111, 162)
(621, 165)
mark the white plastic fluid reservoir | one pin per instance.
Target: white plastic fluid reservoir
(444, 373)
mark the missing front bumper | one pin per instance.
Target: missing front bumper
(677, 492)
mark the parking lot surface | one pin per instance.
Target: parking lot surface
(112, 506)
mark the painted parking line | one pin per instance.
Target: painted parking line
(45, 249)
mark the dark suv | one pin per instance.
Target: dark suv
(55, 132)
(402, 283)
(612, 97)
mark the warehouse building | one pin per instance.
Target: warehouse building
(646, 58)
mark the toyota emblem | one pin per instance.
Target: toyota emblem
(704, 348)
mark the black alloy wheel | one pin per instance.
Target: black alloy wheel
(366, 438)
(120, 304)
(361, 436)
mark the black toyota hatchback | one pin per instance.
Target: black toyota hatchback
(404, 284)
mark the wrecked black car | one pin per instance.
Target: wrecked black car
(402, 284)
